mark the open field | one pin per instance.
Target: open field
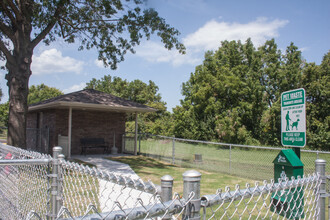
(244, 162)
(151, 169)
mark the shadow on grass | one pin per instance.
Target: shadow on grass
(82, 162)
(138, 163)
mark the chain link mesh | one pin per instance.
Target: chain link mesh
(90, 193)
(23, 187)
(251, 162)
(83, 185)
(128, 143)
(295, 199)
(288, 199)
(18, 153)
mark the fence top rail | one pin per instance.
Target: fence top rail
(6, 162)
(228, 144)
(237, 194)
(22, 153)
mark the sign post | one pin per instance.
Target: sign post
(293, 119)
(287, 164)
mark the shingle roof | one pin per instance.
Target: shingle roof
(91, 99)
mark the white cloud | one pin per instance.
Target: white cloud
(303, 49)
(99, 63)
(209, 37)
(75, 88)
(213, 32)
(52, 61)
(155, 52)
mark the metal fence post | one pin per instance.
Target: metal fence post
(123, 144)
(60, 183)
(320, 168)
(166, 191)
(229, 158)
(191, 184)
(173, 150)
(139, 144)
(54, 183)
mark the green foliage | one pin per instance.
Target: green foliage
(112, 27)
(42, 92)
(222, 96)
(234, 96)
(4, 111)
(147, 94)
(316, 81)
(37, 94)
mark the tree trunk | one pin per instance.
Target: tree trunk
(18, 82)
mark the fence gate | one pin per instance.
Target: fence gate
(128, 143)
(37, 139)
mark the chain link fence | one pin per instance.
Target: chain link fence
(295, 199)
(128, 143)
(253, 162)
(38, 186)
(23, 187)
(83, 186)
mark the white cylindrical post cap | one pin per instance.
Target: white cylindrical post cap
(166, 181)
(167, 178)
(191, 175)
(320, 161)
(57, 149)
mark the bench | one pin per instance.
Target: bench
(90, 143)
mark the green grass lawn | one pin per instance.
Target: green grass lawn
(151, 169)
(244, 162)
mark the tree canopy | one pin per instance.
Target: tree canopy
(234, 95)
(38, 93)
(112, 27)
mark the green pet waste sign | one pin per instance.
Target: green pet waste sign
(293, 118)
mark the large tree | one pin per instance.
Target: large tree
(223, 97)
(234, 95)
(113, 27)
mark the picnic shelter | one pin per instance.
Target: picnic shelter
(83, 115)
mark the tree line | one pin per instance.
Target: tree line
(233, 96)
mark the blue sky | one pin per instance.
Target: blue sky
(203, 25)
